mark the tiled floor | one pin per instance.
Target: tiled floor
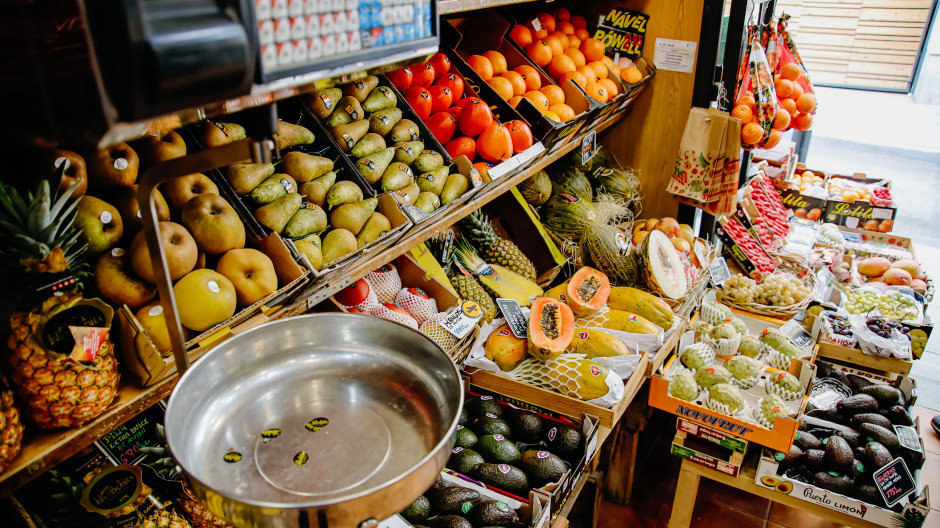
(718, 505)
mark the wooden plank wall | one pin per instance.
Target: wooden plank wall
(868, 43)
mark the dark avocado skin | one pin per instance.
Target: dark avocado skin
(859, 403)
(488, 513)
(449, 521)
(450, 500)
(874, 418)
(838, 455)
(806, 440)
(886, 395)
(885, 437)
(838, 483)
(876, 456)
(515, 481)
(814, 459)
(899, 416)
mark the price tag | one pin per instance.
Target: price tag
(894, 482)
(416, 215)
(122, 445)
(796, 333)
(395, 521)
(588, 147)
(461, 320)
(719, 271)
(907, 436)
(514, 317)
(536, 24)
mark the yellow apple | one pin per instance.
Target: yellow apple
(150, 316)
(118, 284)
(204, 298)
(251, 272)
(213, 223)
(179, 190)
(178, 246)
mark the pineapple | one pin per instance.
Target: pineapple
(465, 285)
(476, 227)
(163, 518)
(199, 516)
(11, 428)
(495, 279)
(42, 246)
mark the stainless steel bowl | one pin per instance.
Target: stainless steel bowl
(317, 420)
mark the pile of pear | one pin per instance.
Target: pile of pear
(301, 197)
(386, 148)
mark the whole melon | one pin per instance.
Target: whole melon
(611, 182)
(571, 181)
(611, 252)
(536, 189)
(567, 215)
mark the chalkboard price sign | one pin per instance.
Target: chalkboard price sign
(894, 482)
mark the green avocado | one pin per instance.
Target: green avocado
(418, 511)
(483, 404)
(526, 425)
(877, 433)
(504, 477)
(454, 500)
(542, 467)
(886, 395)
(565, 441)
(498, 449)
(490, 424)
(465, 437)
(492, 513)
(464, 461)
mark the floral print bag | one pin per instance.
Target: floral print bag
(700, 163)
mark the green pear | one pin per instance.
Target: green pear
(276, 214)
(405, 130)
(273, 188)
(407, 151)
(433, 182)
(381, 98)
(353, 216)
(360, 89)
(291, 135)
(213, 134)
(310, 246)
(310, 218)
(428, 161)
(347, 110)
(396, 176)
(409, 193)
(343, 192)
(454, 187)
(324, 101)
(382, 122)
(316, 190)
(427, 202)
(244, 177)
(306, 167)
(349, 134)
(336, 244)
(369, 144)
(373, 229)
(373, 166)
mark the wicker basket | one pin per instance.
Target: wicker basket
(789, 264)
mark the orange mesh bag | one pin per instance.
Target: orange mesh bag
(755, 103)
(795, 92)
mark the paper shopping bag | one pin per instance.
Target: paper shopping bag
(699, 152)
(726, 199)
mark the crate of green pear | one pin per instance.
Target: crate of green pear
(388, 144)
(862, 424)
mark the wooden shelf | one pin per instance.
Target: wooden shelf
(42, 450)
(445, 7)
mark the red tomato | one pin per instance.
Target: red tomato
(495, 143)
(454, 82)
(401, 78)
(442, 126)
(475, 117)
(423, 74)
(521, 135)
(420, 100)
(462, 146)
(441, 64)
(441, 98)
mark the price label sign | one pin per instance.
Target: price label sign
(907, 437)
(122, 445)
(894, 482)
(796, 333)
(514, 317)
(719, 271)
(416, 215)
(588, 147)
(461, 320)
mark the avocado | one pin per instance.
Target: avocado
(418, 511)
(859, 452)
(492, 513)
(813, 459)
(830, 415)
(821, 434)
(833, 481)
(858, 470)
(504, 477)
(857, 382)
(790, 458)
(868, 493)
(898, 415)
(838, 455)
(877, 433)
(886, 395)
(465, 437)
(565, 441)
(876, 456)
(449, 521)
(542, 467)
(498, 449)
(874, 418)
(464, 417)
(483, 404)
(526, 425)
(853, 438)
(803, 425)
(806, 440)
(859, 403)
(464, 461)
(840, 376)
(435, 488)
(490, 424)
(454, 500)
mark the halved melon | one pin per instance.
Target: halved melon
(662, 267)
(551, 328)
(587, 291)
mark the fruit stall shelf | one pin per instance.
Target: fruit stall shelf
(446, 7)
(43, 451)
(854, 356)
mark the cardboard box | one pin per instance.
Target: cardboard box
(708, 447)
(889, 245)
(860, 214)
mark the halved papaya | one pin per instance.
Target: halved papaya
(551, 328)
(587, 291)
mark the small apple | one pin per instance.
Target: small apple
(638, 237)
(178, 246)
(204, 298)
(157, 148)
(685, 231)
(651, 224)
(125, 199)
(179, 190)
(75, 171)
(213, 223)
(117, 282)
(111, 167)
(100, 224)
(681, 244)
(669, 226)
(251, 272)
